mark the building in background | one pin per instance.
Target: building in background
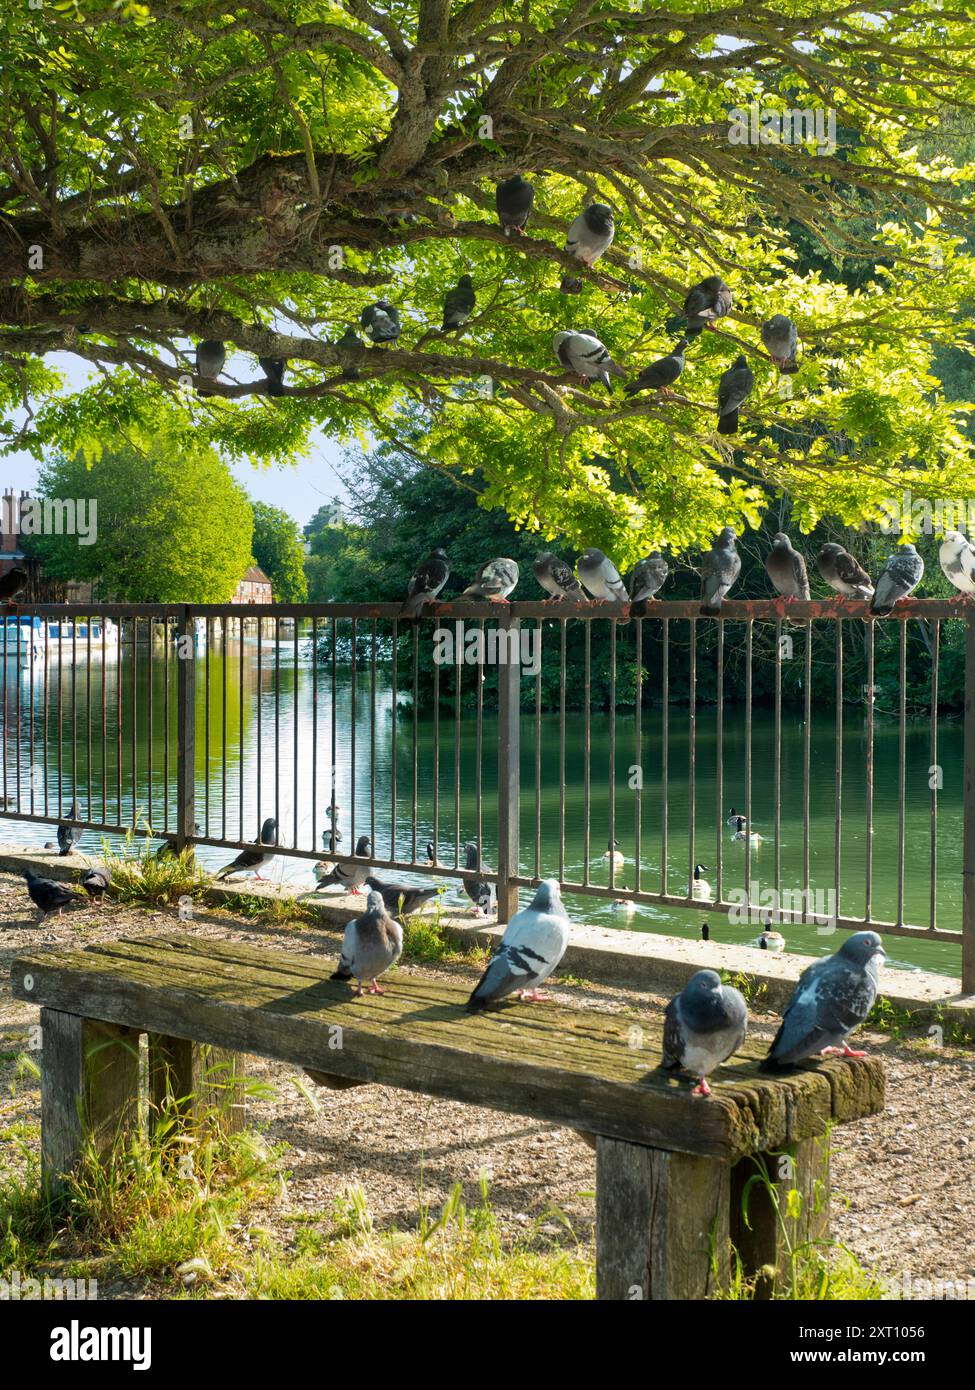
(255, 587)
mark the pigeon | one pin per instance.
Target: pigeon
(96, 883)
(600, 577)
(734, 389)
(514, 198)
(900, 576)
(648, 577)
(584, 354)
(719, 570)
(787, 569)
(69, 834)
(458, 305)
(425, 583)
(168, 847)
(589, 236)
(273, 369)
(481, 893)
(350, 877)
(401, 899)
(350, 341)
(534, 942)
(781, 339)
(833, 997)
(495, 581)
(705, 303)
(381, 322)
(12, 584)
(842, 573)
(660, 375)
(252, 861)
(556, 577)
(700, 888)
(49, 896)
(372, 943)
(703, 1026)
(957, 556)
(210, 357)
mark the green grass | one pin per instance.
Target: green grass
(425, 939)
(138, 877)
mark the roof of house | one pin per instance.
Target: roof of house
(254, 575)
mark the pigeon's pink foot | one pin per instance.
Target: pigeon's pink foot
(844, 1051)
(359, 989)
(533, 996)
(702, 1088)
(374, 988)
(356, 892)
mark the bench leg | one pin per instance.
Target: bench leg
(661, 1223)
(764, 1242)
(89, 1092)
(196, 1078)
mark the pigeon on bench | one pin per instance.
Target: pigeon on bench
(534, 942)
(96, 883)
(703, 1026)
(372, 943)
(833, 997)
(350, 877)
(401, 899)
(252, 861)
(69, 834)
(49, 896)
(481, 893)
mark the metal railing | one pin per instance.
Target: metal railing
(199, 721)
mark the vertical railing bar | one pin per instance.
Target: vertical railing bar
(458, 709)
(30, 662)
(393, 853)
(19, 717)
(838, 768)
(479, 739)
(259, 730)
(224, 658)
(612, 753)
(316, 838)
(509, 772)
(149, 722)
(563, 625)
(240, 727)
(968, 813)
(436, 758)
(60, 721)
(664, 753)
(353, 702)
(166, 716)
(868, 847)
(333, 776)
(691, 753)
(295, 706)
(277, 726)
(749, 638)
(74, 711)
(3, 696)
(934, 775)
(901, 766)
(638, 758)
(372, 738)
(806, 764)
(538, 752)
(415, 753)
(719, 767)
(87, 720)
(208, 637)
(186, 730)
(586, 755)
(135, 722)
(777, 769)
(118, 728)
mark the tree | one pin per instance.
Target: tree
(172, 524)
(250, 174)
(279, 552)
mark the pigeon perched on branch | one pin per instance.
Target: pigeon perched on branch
(703, 1026)
(514, 198)
(582, 352)
(381, 322)
(458, 305)
(210, 358)
(349, 342)
(273, 369)
(833, 997)
(781, 339)
(660, 375)
(588, 237)
(706, 302)
(734, 389)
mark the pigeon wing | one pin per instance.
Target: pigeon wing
(673, 1057)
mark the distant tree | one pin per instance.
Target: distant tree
(328, 515)
(279, 551)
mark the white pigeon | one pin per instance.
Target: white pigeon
(957, 556)
(534, 942)
(582, 352)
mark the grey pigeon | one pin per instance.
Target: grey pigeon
(425, 583)
(734, 389)
(69, 834)
(842, 573)
(556, 577)
(495, 581)
(96, 883)
(900, 576)
(350, 341)
(648, 577)
(513, 199)
(273, 369)
(458, 305)
(719, 570)
(12, 584)
(781, 339)
(252, 861)
(833, 997)
(706, 303)
(372, 943)
(703, 1026)
(584, 354)
(534, 942)
(957, 556)
(381, 322)
(589, 236)
(350, 877)
(481, 893)
(210, 358)
(49, 896)
(787, 569)
(401, 899)
(660, 375)
(600, 577)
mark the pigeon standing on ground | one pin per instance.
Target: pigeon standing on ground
(787, 569)
(13, 584)
(957, 556)
(703, 1026)
(513, 199)
(252, 861)
(210, 358)
(49, 896)
(273, 369)
(481, 893)
(495, 581)
(69, 834)
(350, 877)
(584, 354)
(706, 303)
(556, 577)
(648, 577)
(660, 375)
(381, 322)
(719, 570)
(372, 943)
(600, 577)
(734, 389)
(534, 942)
(426, 582)
(900, 576)
(842, 573)
(96, 883)
(781, 339)
(350, 341)
(401, 899)
(833, 997)
(589, 236)
(458, 305)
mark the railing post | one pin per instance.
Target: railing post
(185, 728)
(968, 821)
(509, 765)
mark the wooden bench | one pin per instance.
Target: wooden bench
(671, 1169)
